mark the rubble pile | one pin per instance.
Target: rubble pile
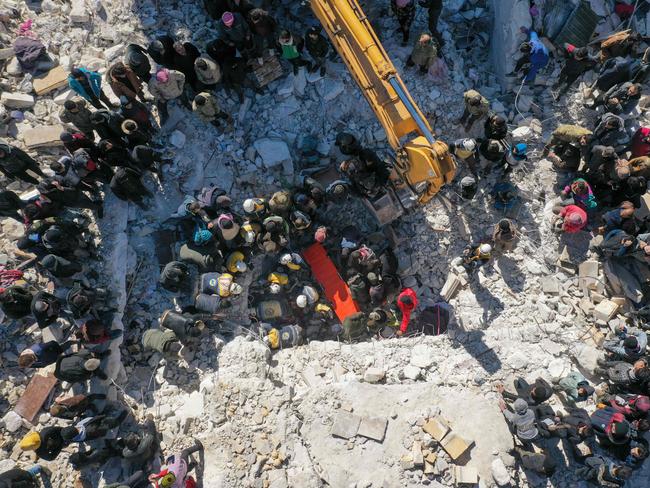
(403, 412)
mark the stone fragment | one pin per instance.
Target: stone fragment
(113, 52)
(550, 285)
(605, 310)
(177, 139)
(6, 53)
(429, 468)
(522, 134)
(79, 13)
(274, 152)
(455, 445)
(346, 425)
(450, 287)
(43, 136)
(12, 421)
(431, 458)
(436, 428)
(17, 100)
(373, 375)
(411, 372)
(422, 357)
(406, 462)
(500, 473)
(63, 97)
(373, 428)
(416, 454)
(52, 80)
(465, 475)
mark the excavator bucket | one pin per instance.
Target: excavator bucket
(425, 167)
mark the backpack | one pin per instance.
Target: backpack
(358, 288)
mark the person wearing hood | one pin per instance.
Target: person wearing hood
(318, 48)
(206, 106)
(476, 107)
(184, 327)
(84, 300)
(75, 406)
(628, 345)
(203, 251)
(496, 127)
(207, 72)
(147, 158)
(407, 301)
(88, 85)
(619, 99)
(424, 53)
(621, 218)
(21, 478)
(404, 10)
(611, 427)
(167, 85)
(107, 124)
(367, 172)
(134, 110)
(80, 366)
(11, 205)
(14, 164)
(124, 82)
(263, 27)
(165, 342)
(162, 51)
(505, 235)
(610, 131)
(290, 47)
(578, 62)
(141, 448)
(571, 219)
(45, 308)
(185, 56)
(576, 387)
(75, 111)
(59, 267)
(114, 154)
(127, 185)
(136, 59)
(41, 355)
(72, 141)
(46, 444)
(604, 473)
(16, 301)
(522, 420)
(234, 31)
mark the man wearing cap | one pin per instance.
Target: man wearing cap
(88, 84)
(47, 444)
(136, 59)
(234, 31)
(80, 366)
(75, 111)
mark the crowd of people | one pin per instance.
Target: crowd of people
(115, 146)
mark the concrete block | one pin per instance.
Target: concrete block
(406, 462)
(346, 425)
(455, 445)
(44, 136)
(429, 468)
(436, 428)
(373, 375)
(465, 475)
(53, 80)
(588, 269)
(7, 53)
(63, 97)
(641, 212)
(373, 428)
(431, 458)
(79, 13)
(620, 301)
(605, 310)
(450, 287)
(416, 454)
(17, 100)
(550, 285)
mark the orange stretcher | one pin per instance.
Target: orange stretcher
(336, 290)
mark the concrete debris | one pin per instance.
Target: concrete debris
(605, 310)
(177, 139)
(500, 473)
(17, 100)
(373, 428)
(346, 425)
(274, 152)
(374, 375)
(53, 80)
(44, 136)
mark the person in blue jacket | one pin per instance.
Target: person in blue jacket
(534, 57)
(88, 84)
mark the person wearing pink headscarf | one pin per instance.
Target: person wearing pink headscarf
(166, 85)
(405, 12)
(234, 31)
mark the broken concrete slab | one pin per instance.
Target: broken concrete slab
(79, 13)
(605, 310)
(274, 152)
(35, 394)
(411, 372)
(346, 425)
(455, 445)
(416, 454)
(374, 375)
(450, 287)
(43, 136)
(436, 428)
(52, 80)
(17, 100)
(465, 475)
(373, 428)
(406, 462)
(588, 269)
(550, 285)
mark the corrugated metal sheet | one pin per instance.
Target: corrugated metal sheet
(579, 27)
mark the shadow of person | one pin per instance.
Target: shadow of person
(491, 305)
(510, 273)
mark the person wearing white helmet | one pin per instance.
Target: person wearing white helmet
(291, 261)
(466, 150)
(275, 288)
(476, 255)
(301, 301)
(310, 293)
(255, 208)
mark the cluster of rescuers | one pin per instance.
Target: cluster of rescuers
(266, 235)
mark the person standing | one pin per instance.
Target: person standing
(424, 53)
(317, 47)
(290, 47)
(435, 9)
(76, 112)
(404, 10)
(167, 85)
(88, 84)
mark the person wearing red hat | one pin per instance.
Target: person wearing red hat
(407, 301)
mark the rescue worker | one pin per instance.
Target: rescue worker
(424, 53)
(366, 171)
(41, 355)
(476, 255)
(318, 48)
(263, 28)
(14, 164)
(165, 342)
(46, 444)
(476, 107)
(80, 366)
(206, 106)
(75, 112)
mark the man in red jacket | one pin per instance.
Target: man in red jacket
(406, 302)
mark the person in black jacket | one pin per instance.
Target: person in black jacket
(10, 205)
(127, 185)
(148, 158)
(496, 127)
(21, 478)
(45, 308)
(80, 366)
(98, 456)
(75, 406)
(59, 267)
(534, 394)
(47, 444)
(135, 58)
(114, 154)
(91, 428)
(42, 354)
(162, 51)
(107, 124)
(577, 63)
(435, 9)
(263, 28)
(317, 47)
(184, 325)
(16, 301)
(140, 449)
(15, 162)
(185, 53)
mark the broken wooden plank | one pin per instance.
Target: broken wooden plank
(35, 394)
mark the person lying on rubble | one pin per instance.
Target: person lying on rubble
(21, 478)
(604, 473)
(41, 355)
(165, 342)
(75, 406)
(281, 337)
(576, 387)
(177, 466)
(46, 444)
(92, 428)
(629, 344)
(533, 394)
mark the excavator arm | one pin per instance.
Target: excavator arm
(424, 163)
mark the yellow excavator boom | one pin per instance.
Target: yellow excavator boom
(422, 161)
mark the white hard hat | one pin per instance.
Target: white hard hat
(249, 205)
(469, 144)
(241, 266)
(485, 249)
(301, 301)
(311, 294)
(249, 236)
(286, 259)
(275, 288)
(236, 289)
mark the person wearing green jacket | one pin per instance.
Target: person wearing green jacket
(290, 47)
(424, 53)
(355, 326)
(576, 387)
(164, 342)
